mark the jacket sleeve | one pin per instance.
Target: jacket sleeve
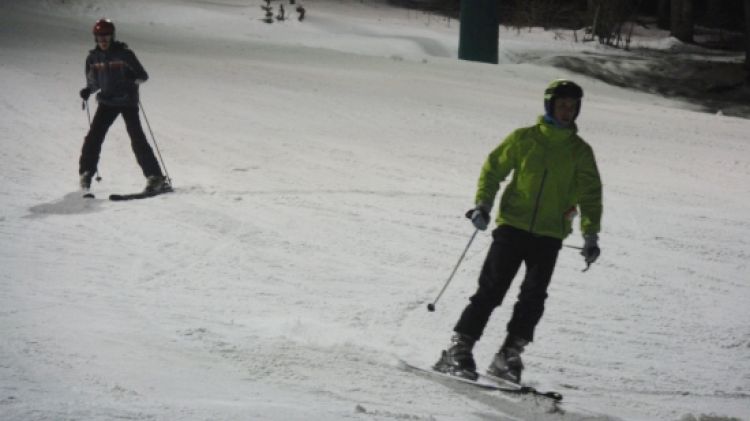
(589, 187)
(135, 70)
(496, 167)
(91, 81)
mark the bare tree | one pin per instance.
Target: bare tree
(682, 20)
(608, 21)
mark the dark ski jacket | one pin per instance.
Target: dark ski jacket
(113, 73)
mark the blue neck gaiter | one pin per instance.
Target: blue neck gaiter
(553, 121)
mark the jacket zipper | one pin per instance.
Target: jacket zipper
(538, 199)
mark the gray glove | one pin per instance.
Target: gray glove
(590, 251)
(480, 216)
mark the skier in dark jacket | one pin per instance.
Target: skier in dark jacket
(554, 175)
(113, 70)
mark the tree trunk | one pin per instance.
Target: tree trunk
(682, 20)
(591, 6)
(714, 17)
(674, 16)
(663, 14)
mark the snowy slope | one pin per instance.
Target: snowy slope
(322, 169)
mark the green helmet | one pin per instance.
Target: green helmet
(561, 88)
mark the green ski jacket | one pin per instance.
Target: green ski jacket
(554, 176)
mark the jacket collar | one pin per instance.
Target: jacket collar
(553, 132)
(114, 46)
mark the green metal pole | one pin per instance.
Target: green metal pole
(479, 31)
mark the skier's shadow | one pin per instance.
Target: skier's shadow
(70, 204)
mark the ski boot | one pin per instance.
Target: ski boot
(458, 360)
(507, 364)
(85, 180)
(157, 184)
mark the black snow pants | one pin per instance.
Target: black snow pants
(510, 248)
(103, 119)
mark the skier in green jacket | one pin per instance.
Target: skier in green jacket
(554, 176)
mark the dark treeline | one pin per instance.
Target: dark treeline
(721, 24)
(602, 16)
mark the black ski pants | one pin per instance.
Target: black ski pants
(92, 144)
(511, 247)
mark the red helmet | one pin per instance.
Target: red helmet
(104, 27)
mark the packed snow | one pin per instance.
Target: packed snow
(322, 169)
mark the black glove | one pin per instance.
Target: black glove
(85, 93)
(590, 251)
(480, 216)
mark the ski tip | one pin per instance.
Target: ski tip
(557, 397)
(89, 196)
(141, 195)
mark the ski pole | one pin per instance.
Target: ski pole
(158, 152)
(588, 265)
(431, 306)
(85, 105)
